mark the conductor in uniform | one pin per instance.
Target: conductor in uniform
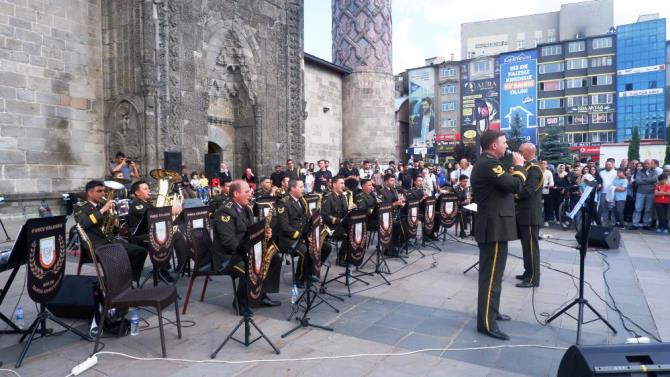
(529, 217)
(493, 190)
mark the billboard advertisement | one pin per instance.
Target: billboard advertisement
(518, 92)
(480, 109)
(422, 107)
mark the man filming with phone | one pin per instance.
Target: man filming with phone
(123, 167)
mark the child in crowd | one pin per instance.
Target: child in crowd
(662, 196)
(203, 182)
(620, 187)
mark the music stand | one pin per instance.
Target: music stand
(158, 222)
(45, 241)
(310, 294)
(194, 218)
(448, 212)
(473, 209)
(428, 222)
(410, 221)
(255, 236)
(384, 240)
(587, 201)
(17, 258)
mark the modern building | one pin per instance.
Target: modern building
(641, 80)
(576, 90)
(572, 21)
(448, 98)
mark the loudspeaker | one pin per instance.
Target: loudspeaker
(172, 161)
(78, 297)
(611, 360)
(602, 237)
(212, 165)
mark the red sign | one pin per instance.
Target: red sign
(448, 137)
(587, 150)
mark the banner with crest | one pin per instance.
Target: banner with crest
(256, 262)
(448, 205)
(315, 239)
(358, 235)
(194, 218)
(385, 229)
(45, 239)
(428, 215)
(159, 221)
(412, 217)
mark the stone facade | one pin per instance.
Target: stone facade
(362, 42)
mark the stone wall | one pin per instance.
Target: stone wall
(323, 128)
(51, 131)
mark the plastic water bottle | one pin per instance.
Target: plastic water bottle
(20, 317)
(135, 322)
(294, 294)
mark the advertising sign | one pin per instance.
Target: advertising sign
(480, 108)
(518, 92)
(422, 107)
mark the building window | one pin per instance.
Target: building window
(602, 137)
(602, 117)
(580, 63)
(575, 83)
(447, 72)
(574, 138)
(448, 105)
(551, 67)
(577, 101)
(520, 44)
(551, 39)
(629, 87)
(448, 89)
(551, 50)
(578, 119)
(605, 42)
(551, 103)
(482, 66)
(602, 99)
(451, 123)
(576, 46)
(551, 121)
(548, 86)
(602, 61)
(601, 80)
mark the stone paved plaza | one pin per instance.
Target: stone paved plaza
(430, 305)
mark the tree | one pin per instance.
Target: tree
(634, 146)
(553, 150)
(667, 147)
(515, 136)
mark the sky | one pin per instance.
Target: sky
(427, 28)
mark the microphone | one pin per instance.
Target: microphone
(508, 153)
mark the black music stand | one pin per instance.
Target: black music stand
(159, 253)
(410, 242)
(447, 220)
(310, 294)
(424, 241)
(45, 241)
(384, 230)
(587, 217)
(247, 320)
(474, 265)
(17, 258)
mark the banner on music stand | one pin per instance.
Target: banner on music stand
(194, 218)
(316, 237)
(448, 209)
(256, 261)
(313, 202)
(412, 217)
(45, 238)
(428, 215)
(159, 221)
(385, 230)
(263, 206)
(358, 234)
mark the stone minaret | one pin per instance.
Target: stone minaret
(362, 42)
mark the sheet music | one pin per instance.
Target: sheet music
(580, 204)
(471, 207)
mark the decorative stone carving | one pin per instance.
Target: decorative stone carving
(127, 133)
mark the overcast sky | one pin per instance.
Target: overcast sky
(427, 28)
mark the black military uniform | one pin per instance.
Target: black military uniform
(215, 202)
(260, 193)
(463, 217)
(391, 196)
(88, 216)
(368, 201)
(291, 221)
(529, 218)
(493, 190)
(138, 208)
(333, 211)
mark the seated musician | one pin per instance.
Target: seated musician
(91, 216)
(334, 210)
(283, 189)
(265, 188)
(231, 242)
(138, 209)
(367, 199)
(389, 194)
(219, 195)
(417, 193)
(463, 199)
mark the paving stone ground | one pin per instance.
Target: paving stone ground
(430, 304)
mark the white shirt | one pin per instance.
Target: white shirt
(456, 174)
(366, 174)
(548, 182)
(608, 177)
(429, 184)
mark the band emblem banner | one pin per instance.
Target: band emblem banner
(160, 234)
(385, 230)
(358, 219)
(448, 209)
(45, 240)
(428, 215)
(412, 208)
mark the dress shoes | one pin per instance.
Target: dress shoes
(497, 334)
(521, 277)
(503, 317)
(267, 301)
(526, 284)
(462, 235)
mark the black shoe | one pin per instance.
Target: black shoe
(462, 235)
(632, 227)
(526, 284)
(267, 301)
(521, 277)
(503, 317)
(180, 268)
(496, 334)
(165, 275)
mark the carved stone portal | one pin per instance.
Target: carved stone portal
(127, 131)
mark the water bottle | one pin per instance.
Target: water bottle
(20, 317)
(294, 294)
(135, 322)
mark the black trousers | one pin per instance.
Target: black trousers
(529, 236)
(137, 255)
(492, 260)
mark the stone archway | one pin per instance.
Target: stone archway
(126, 131)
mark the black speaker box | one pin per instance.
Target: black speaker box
(602, 237)
(616, 360)
(77, 298)
(212, 165)
(172, 161)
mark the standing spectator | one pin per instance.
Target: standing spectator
(607, 177)
(645, 181)
(662, 196)
(561, 184)
(547, 186)
(441, 177)
(224, 173)
(378, 179)
(350, 175)
(277, 176)
(428, 182)
(292, 171)
(250, 178)
(464, 168)
(124, 168)
(623, 164)
(404, 178)
(322, 177)
(185, 184)
(366, 171)
(393, 168)
(329, 168)
(657, 167)
(620, 187)
(309, 181)
(630, 196)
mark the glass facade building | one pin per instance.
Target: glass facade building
(641, 80)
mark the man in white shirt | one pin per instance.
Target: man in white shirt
(546, 193)
(464, 168)
(366, 171)
(607, 176)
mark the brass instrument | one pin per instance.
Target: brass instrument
(468, 194)
(110, 219)
(350, 199)
(166, 181)
(270, 248)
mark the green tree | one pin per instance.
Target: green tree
(667, 147)
(515, 136)
(553, 150)
(634, 146)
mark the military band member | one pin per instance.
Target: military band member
(137, 210)
(417, 192)
(265, 188)
(529, 217)
(367, 199)
(463, 198)
(90, 217)
(219, 195)
(334, 210)
(231, 242)
(389, 194)
(493, 191)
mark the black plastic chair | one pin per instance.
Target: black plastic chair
(119, 294)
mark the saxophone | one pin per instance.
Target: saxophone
(350, 199)
(269, 247)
